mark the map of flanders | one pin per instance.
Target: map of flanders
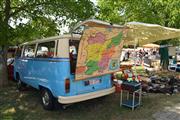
(99, 51)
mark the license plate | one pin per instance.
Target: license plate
(92, 82)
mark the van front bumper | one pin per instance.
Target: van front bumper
(86, 96)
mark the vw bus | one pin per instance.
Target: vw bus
(49, 65)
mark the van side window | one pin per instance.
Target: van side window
(45, 50)
(29, 51)
(18, 52)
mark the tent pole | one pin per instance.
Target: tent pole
(135, 56)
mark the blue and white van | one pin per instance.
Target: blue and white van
(47, 65)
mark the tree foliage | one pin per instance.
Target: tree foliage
(42, 17)
(163, 12)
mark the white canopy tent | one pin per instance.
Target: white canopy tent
(142, 33)
(150, 45)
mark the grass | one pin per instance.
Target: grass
(26, 105)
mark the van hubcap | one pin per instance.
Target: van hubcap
(45, 98)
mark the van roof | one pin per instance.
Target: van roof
(68, 36)
(96, 23)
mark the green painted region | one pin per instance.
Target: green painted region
(92, 67)
(116, 40)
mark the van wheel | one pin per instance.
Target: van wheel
(47, 99)
(20, 84)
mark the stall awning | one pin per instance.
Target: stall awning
(142, 33)
(150, 45)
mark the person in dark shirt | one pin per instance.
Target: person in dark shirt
(171, 83)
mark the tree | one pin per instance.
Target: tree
(42, 18)
(163, 12)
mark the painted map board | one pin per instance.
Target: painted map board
(99, 51)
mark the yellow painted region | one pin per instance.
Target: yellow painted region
(95, 51)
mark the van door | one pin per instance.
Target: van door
(28, 64)
(43, 63)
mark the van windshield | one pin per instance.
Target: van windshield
(73, 53)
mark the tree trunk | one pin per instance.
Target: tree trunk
(3, 67)
(4, 44)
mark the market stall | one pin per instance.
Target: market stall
(105, 59)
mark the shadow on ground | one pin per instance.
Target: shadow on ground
(26, 105)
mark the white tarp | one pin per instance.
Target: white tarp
(142, 33)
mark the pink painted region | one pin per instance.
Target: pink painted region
(99, 38)
(103, 64)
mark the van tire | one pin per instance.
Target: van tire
(47, 99)
(20, 84)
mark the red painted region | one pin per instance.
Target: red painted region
(80, 69)
(109, 52)
(99, 38)
(106, 56)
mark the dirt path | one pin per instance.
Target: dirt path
(169, 113)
